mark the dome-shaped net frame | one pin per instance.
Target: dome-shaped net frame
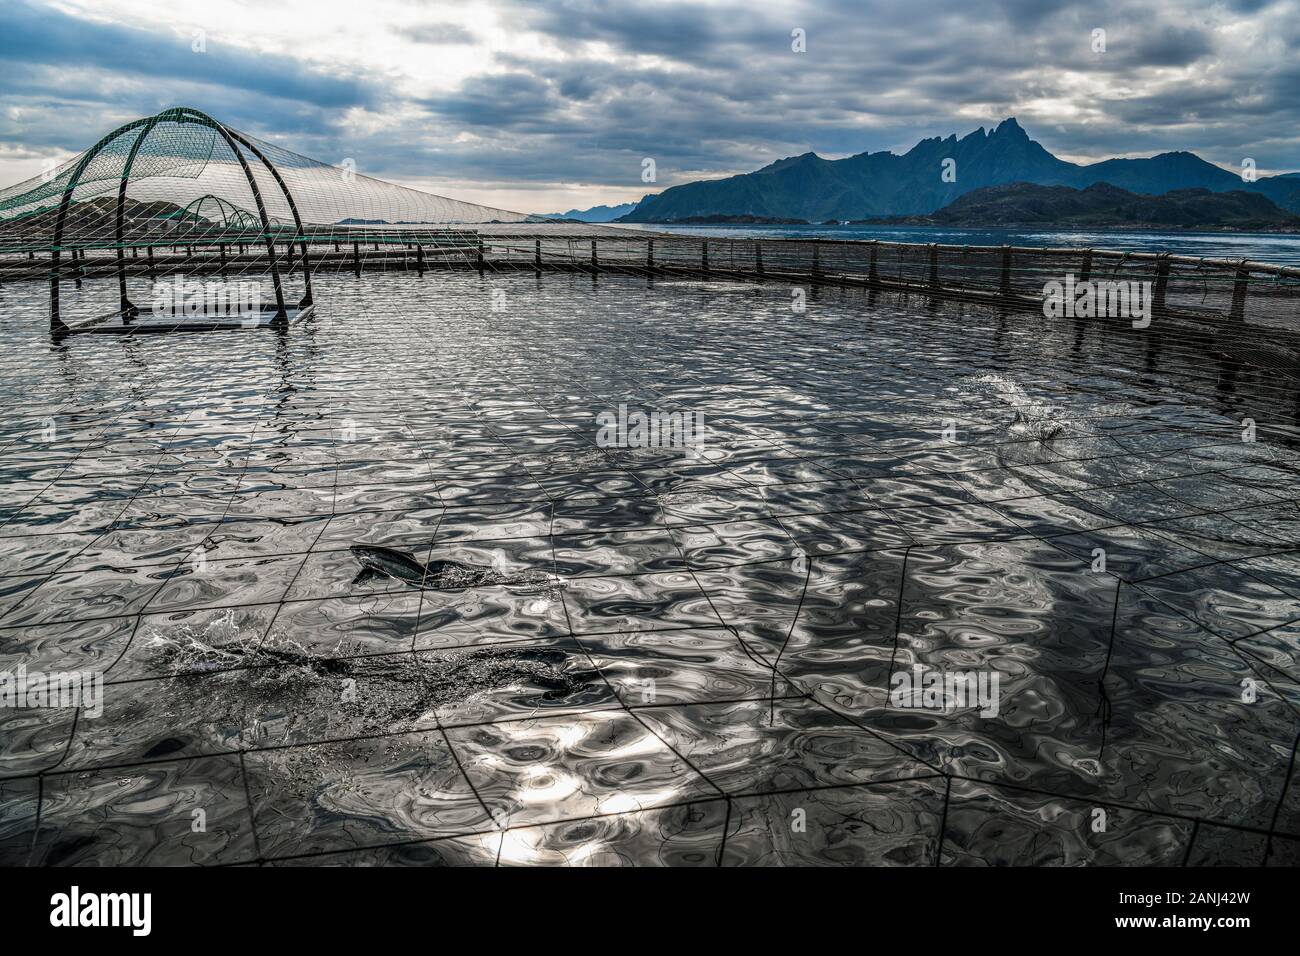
(168, 162)
(183, 180)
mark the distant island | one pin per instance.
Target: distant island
(594, 214)
(871, 185)
(1103, 206)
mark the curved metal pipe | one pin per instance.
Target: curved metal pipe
(128, 310)
(56, 323)
(293, 208)
(234, 141)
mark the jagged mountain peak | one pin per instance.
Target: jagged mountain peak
(921, 180)
(1010, 128)
(788, 161)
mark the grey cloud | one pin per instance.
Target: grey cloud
(437, 33)
(716, 88)
(33, 37)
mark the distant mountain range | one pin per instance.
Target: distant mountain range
(1102, 205)
(886, 184)
(595, 213)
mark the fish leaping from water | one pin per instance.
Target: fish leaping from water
(379, 562)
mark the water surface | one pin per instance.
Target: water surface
(677, 656)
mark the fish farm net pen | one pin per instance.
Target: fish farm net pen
(179, 194)
(825, 533)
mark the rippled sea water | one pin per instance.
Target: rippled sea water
(669, 657)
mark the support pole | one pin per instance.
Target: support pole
(595, 265)
(356, 258)
(650, 256)
(873, 273)
(1004, 287)
(1239, 290)
(704, 256)
(306, 278)
(1086, 274)
(817, 262)
(758, 256)
(419, 258)
(934, 265)
(537, 255)
(57, 326)
(1162, 284)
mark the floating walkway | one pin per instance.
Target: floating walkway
(172, 320)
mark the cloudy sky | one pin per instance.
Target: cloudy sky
(545, 105)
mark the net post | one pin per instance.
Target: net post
(1004, 286)
(307, 298)
(57, 326)
(1162, 284)
(1239, 290)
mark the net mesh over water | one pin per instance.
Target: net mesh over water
(616, 653)
(656, 657)
(171, 165)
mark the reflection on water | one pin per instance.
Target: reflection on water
(659, 658)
